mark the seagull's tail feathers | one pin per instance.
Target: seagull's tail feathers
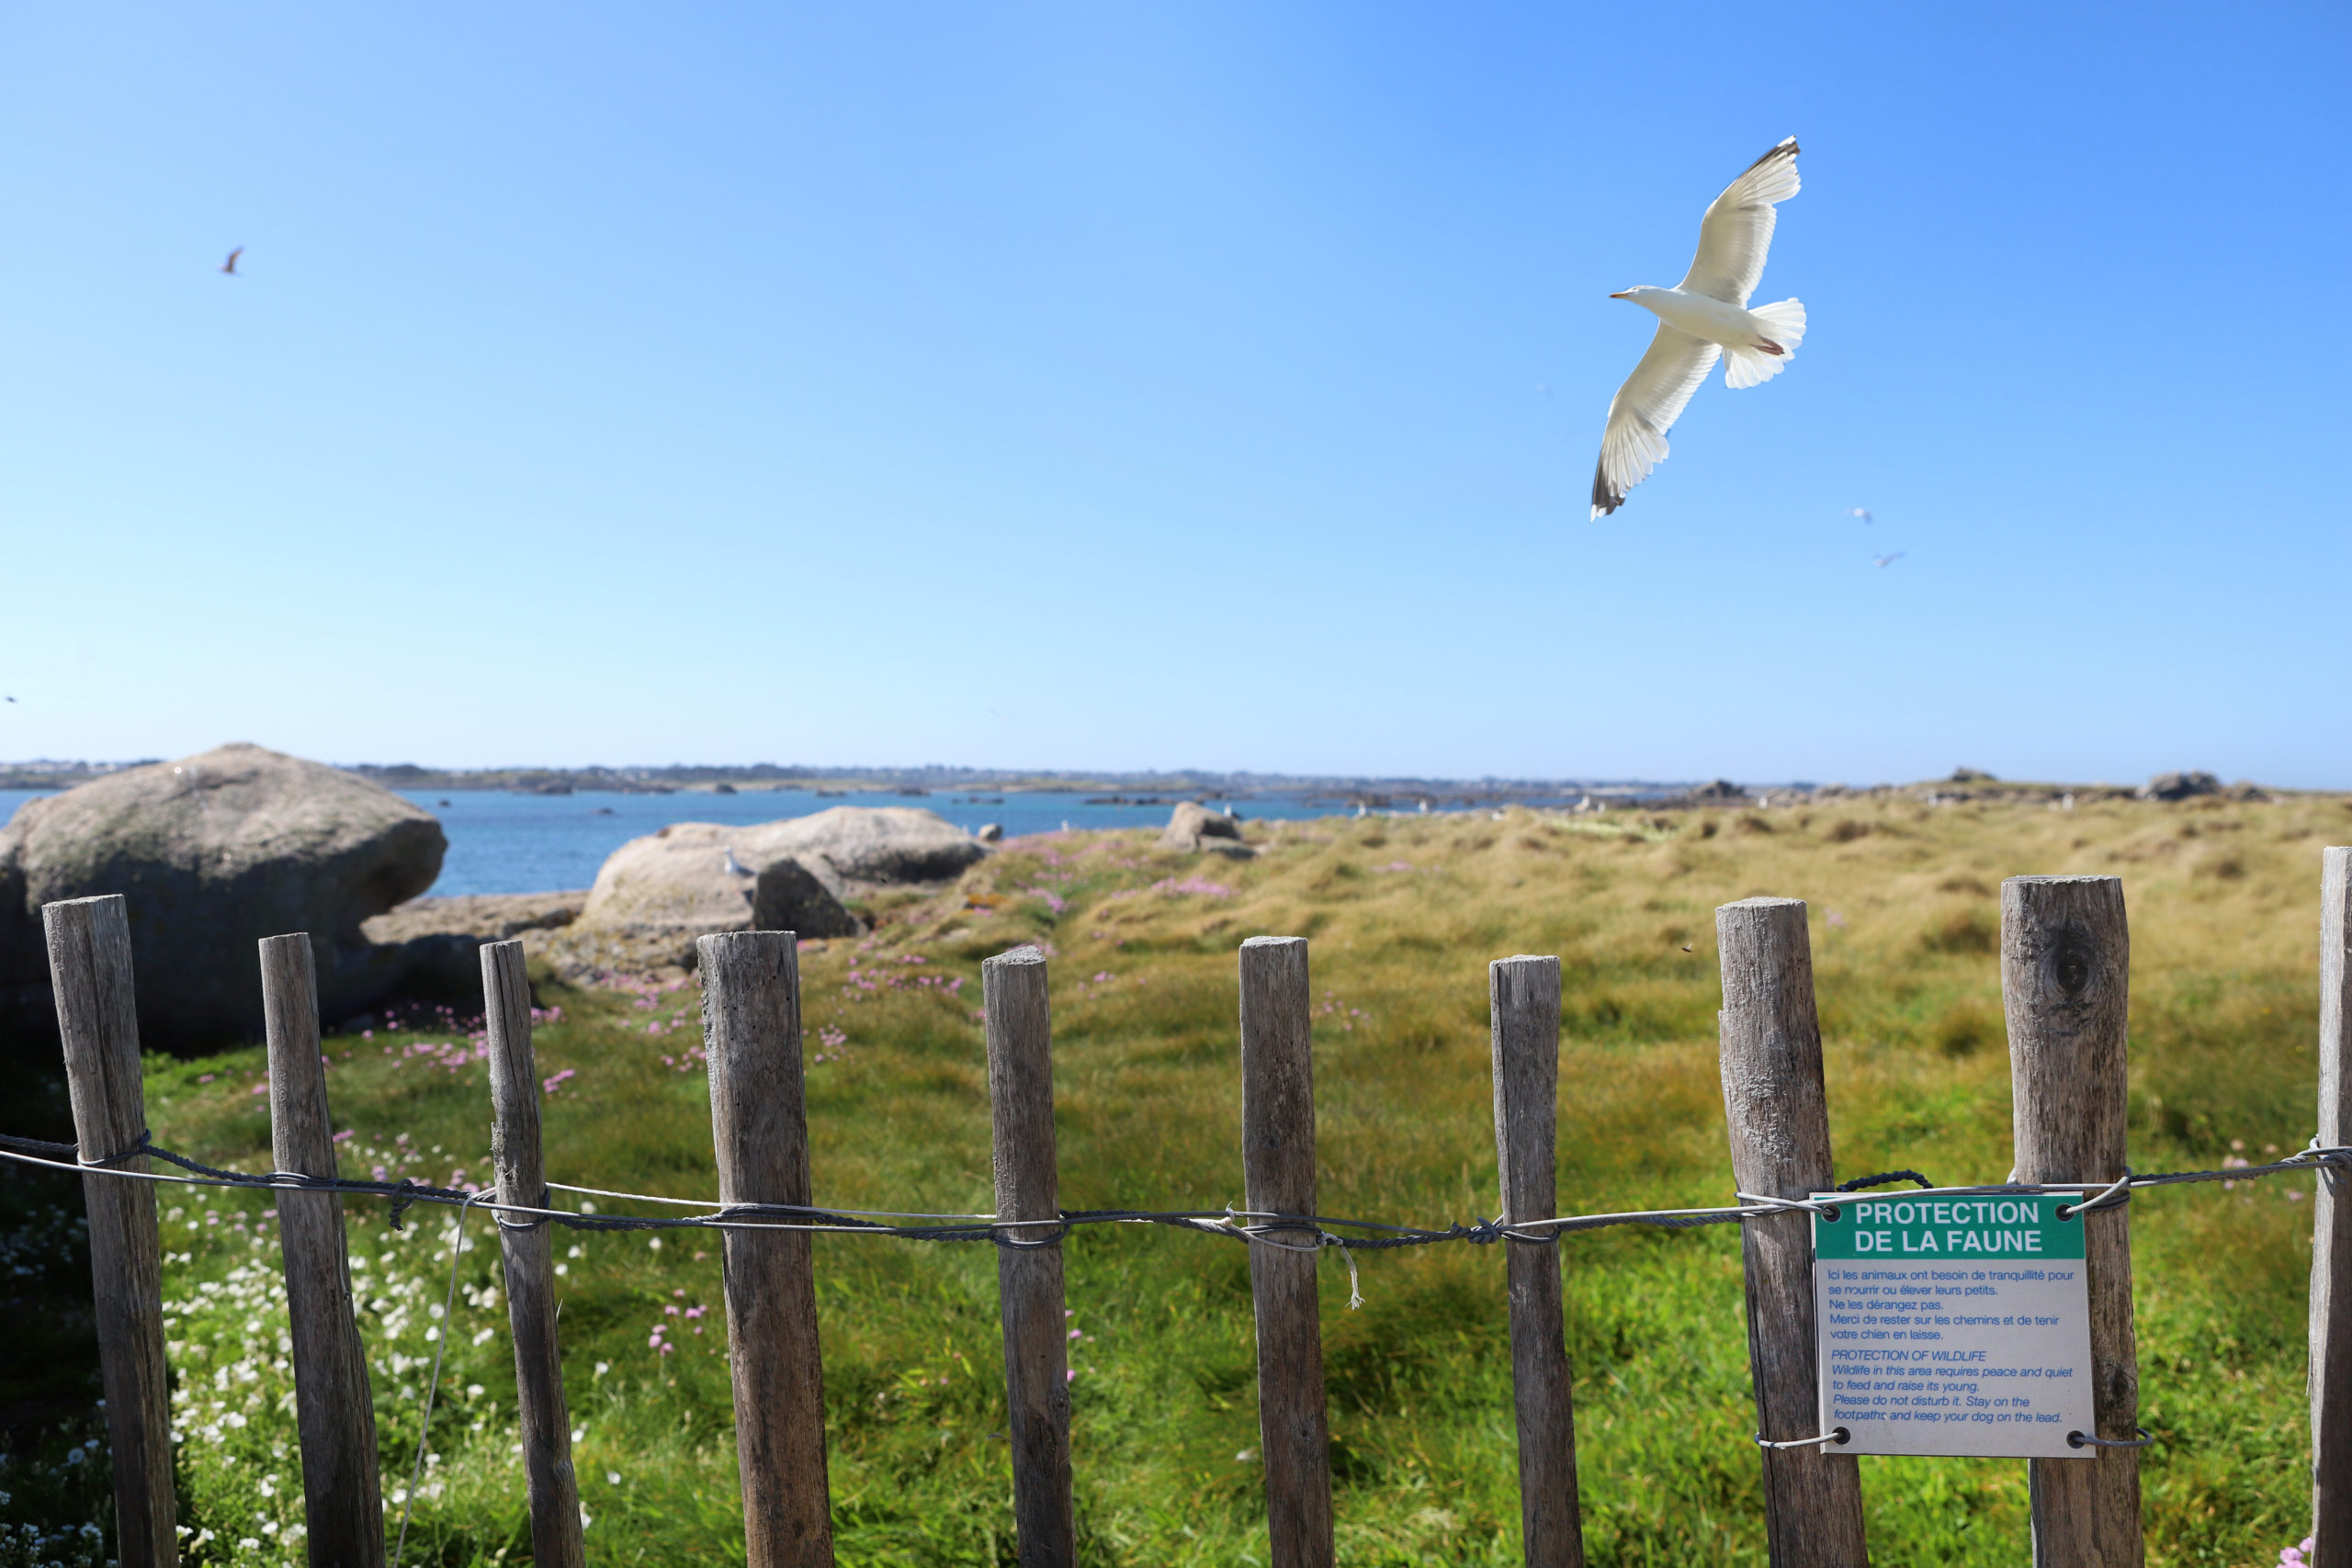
(1783, 330)
(1784, 323)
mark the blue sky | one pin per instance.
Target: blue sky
(1168, 385)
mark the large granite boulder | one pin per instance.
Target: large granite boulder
(1195, 827)
(484, 917)
(655, 895)
(214, 852)
(440, 940)
(2180, 786)
(857, 849)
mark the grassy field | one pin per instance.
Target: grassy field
(1404, 915)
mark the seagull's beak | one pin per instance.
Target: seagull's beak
(1621, 297)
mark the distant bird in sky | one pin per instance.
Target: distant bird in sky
(229, 266)
(1884, 561)
(1703, 316)
(736, 867)
(1862, 513)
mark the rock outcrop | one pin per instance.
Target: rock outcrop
(486, 917)
(1194, 826)
(656, 895)
(213, 852)
(438, 941)
(858, 849)
(2179, 786)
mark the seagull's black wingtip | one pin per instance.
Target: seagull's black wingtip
(1785, 149)
(1605, 499)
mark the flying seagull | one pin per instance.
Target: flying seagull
(229, 266)
(1705, 315)
(1882, 562)
(1863, 513)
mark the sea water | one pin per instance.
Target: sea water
(500, 841)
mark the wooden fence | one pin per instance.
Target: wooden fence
(2065, 974)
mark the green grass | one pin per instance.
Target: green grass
(1404, 917)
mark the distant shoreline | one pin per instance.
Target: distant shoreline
(1177, 784)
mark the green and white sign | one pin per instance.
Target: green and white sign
(1952, 1325)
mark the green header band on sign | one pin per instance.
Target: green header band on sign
(1948, 1230)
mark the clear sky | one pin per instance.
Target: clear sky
(1170, 385)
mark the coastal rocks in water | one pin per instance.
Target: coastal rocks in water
(1195, 827)
(214, 852)
(2179, 786)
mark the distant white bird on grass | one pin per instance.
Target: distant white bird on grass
(1882, 562)
(1705, 315)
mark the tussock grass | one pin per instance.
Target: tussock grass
(1404, 915)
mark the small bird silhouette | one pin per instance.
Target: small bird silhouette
(1862, 513)
(229, 266)
(1888, 560)
(736, 867)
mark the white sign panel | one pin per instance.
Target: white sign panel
(1953, 1325)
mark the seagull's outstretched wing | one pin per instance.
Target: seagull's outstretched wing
(1649, 403)
(1737, 229)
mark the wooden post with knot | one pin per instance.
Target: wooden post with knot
(1523, 995)
(2331, 1299)
(1278, 1177)
(334, 1413)
(751, 1024)
(1778, 1114)
(527, 1246)
(1029, 1257)
(2066, 986)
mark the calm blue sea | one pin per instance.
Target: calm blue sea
(501, 843)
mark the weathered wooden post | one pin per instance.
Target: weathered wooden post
(1779, 1118)
(1278, 1173)
(1523, 996)
(335, 1414)
(2331, 1304)
(528, 1248)
(90, 966)
(2066, 986)
(1029, 1273)
(750, 1022)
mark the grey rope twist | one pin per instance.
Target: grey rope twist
(1263, 1228)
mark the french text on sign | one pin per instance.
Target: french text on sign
(1952, 1325)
